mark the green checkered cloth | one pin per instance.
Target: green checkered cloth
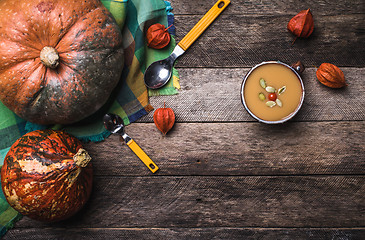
(131, 100)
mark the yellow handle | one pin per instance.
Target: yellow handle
(142, 155)
(203, 23)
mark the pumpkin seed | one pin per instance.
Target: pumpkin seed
(270, 103)
(279, 103)
(262, 96)
(281, 90)
(270, 89)
(262, 83)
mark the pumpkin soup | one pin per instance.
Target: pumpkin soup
(273, 92)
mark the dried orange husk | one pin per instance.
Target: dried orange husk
(164, 119)
(331, 76)
(302, 24)
(157, 36)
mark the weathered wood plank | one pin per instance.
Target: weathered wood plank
(271, 7)
(213, 95)
(243, 41)
(185, 233)
(237, 149)
(218, 175)
(220, 201)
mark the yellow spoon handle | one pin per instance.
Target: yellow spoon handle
(142, 155)
(203, 23)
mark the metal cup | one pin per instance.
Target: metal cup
(297, 68)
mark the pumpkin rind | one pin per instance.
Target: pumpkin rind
(88, 42)
(42, 179)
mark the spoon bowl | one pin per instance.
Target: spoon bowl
(114, 123)
(159, 73)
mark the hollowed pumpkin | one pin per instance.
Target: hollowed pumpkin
(59, 59)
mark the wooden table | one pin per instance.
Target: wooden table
(223, 175)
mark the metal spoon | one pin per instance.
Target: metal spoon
(159, 72)
(114, 124)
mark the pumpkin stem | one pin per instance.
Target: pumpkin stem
(49, 57)
(82, 158)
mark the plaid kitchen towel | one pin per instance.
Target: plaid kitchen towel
(131, 98)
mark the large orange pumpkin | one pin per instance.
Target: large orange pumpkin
(59, 59)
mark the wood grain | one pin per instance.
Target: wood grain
(187, 233)
(217, 201)
(222, 174)
(243, 41)
(213, 95)
(237, 149)
(271, 7)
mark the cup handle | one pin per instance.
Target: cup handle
(298, 67)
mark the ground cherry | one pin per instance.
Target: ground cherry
(272, 96)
